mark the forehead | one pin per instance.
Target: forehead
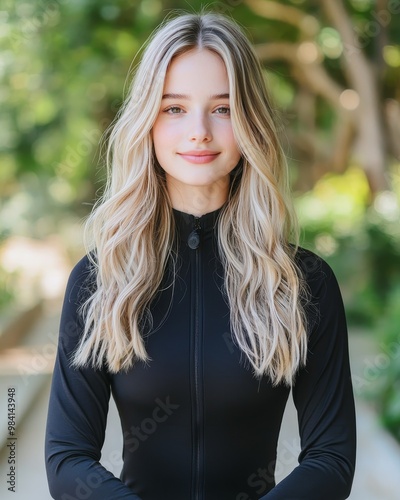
(199, 67)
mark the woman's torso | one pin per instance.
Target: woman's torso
(197, 423)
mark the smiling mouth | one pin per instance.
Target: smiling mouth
(198, 157)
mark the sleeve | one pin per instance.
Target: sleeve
(77, 414)
(323, 397)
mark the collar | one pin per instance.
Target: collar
(193, 229)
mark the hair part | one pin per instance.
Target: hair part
(262, 282)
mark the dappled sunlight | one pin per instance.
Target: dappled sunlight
(387, 205)
(337, 201)
(330, 42)
(27, 360)
(41, 268)
(308, 53)
(349, 99)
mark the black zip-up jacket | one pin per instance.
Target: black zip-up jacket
(196, 423)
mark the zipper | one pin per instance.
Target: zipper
(194, 244)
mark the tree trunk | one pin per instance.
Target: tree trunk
(370, 147)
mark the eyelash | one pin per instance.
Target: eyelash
(170, 108)
(178, 107)
(227, 108)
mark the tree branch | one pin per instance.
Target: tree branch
(312, 75)
(306, 23)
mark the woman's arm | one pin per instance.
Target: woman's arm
(77, 415)
(323, 397)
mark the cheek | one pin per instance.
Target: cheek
(230, 140)
(157, 134)
(163, 143)
(163, 135)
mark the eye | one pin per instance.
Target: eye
(173, 110)
(223, 110)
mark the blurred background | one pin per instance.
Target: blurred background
(333, 67)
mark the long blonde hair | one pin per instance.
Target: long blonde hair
(132, 225)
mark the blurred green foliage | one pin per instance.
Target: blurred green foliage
(7, 292)
(388, 394)
(361, 241)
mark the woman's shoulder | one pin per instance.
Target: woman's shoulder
(84, 265)
(324, 297)
(318, 276)
(81, 279)
(314, 269)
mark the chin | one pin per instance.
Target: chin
(201, 180)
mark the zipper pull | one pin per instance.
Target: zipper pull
(194, 236)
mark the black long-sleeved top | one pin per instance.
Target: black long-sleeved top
(196, 423)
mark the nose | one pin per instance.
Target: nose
(200, 129)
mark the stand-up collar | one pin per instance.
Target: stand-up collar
(193, 229)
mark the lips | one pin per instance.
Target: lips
(199, 156)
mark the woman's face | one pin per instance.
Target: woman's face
(193, 137)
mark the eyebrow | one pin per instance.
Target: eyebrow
(184, 96)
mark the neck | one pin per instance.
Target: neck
(197, 200)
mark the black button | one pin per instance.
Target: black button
(194, 240)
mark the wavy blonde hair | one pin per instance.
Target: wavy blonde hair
(132, 225)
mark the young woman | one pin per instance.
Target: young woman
(194, 305)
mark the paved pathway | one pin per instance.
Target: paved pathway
(378, 464)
